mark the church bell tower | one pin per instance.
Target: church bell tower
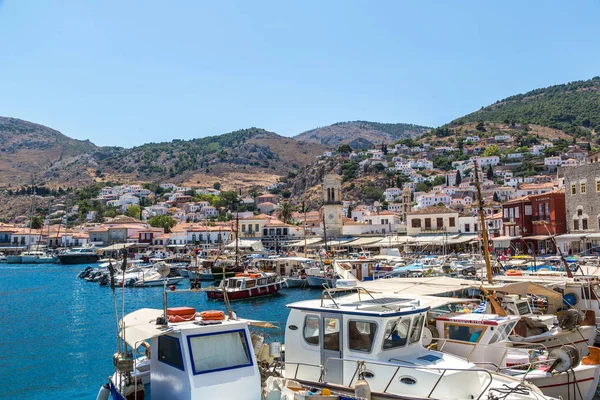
(332, 205)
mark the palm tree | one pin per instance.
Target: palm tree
(284, 212)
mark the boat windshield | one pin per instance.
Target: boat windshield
(396, 333)
(219, 351)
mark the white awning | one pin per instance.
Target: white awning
(593, 236)
(309, 241)
(419, 286)
(570, 237)
(117, 246)
(393, 241)
(141, 325)
(537, 237)
(462, 239)
(505, 238)
(366, 241)
(253, 244)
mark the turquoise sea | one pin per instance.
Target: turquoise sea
(58, 331)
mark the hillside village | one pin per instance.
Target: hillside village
(425, 203)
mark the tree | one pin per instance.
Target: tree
(163, 221)
(36, 222)
(492, 150)
(344, 148)
(458, 177)
(384, 148)
(284, 212)
(133, 211)
(217, 186)
(480, 126)
(490, 172)
(496, 198)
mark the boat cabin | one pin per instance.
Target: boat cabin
(201, 358)
(361, 268)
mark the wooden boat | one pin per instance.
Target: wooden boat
(247, 285)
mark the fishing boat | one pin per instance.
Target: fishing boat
(485, 339)
(180, 354)
(79, 255)
(202, 274)
(350, 336)
(246, 286)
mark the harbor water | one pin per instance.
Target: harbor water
(59, 331)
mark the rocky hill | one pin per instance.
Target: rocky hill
(360, 134)
(28, 150)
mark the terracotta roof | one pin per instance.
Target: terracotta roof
(267, 195)
(432, 210)
(518, 200)
(259, 216)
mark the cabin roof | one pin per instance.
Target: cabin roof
(363, 305)
(480, 319)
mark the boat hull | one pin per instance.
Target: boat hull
(38, 260)
(579, 384)
(170, 281)
(318, 281)
(78, 259)
(13, 259)
(243, 294)
(295, 282)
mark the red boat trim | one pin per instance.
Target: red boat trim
(563, 384)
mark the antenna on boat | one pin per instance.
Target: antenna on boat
(486, 250)
(163, 269)
(560, 253)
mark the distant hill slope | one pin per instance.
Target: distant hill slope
(573, 107)
(253, 152)
(27, 150)
(360, 134)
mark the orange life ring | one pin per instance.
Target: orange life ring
(212, 315)
(513, 272)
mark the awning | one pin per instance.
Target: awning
(393, 241)
(505, 238)
(308, 241)
(340, 242)
(593, 236)
(253, 244)
(537, 237)
(438, 240)
(118, 246)
(570, 236)
(141, 325)
(462, 239)
(420, 286)
(366, 241)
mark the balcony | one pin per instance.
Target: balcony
(536, 218)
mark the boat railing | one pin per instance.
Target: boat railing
(328, 294)
(362, 365)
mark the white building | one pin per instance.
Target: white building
(431, 199)
(553, 161)
(485, 161)
(472, 139)
(392, 193)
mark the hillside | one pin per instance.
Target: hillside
(573, 107)
(360, 134)
(27, 150)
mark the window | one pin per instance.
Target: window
(579, 212)
(582, 187)
(452, 222)
(256, 228)
(361, 335)
(219, 351)
(244, 228)
(597, 185)
(311, 329)
(396, 333)
(169, 351)
(464, 333)
(415, 333)
(467, 227)
(584, 224)
(439, 223)
(427, 223)
(547, 209)
(540, 210)
(576, 225)
(573, 189)
(516, 212)
(506, 213)
(331, 333)
(416, 223)
(528, 210)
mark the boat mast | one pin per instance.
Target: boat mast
(325, 232)
(486, 250)
(304, 211)
(31, 218)
(237, 227)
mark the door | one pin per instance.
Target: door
(331, 348)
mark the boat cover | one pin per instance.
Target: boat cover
(141, 325)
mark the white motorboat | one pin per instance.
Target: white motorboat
(37, 257)
(155, 279)
(193, 355)
(484, 340)
(333, 341)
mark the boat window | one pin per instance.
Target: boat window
(523, 308)
(415, 333)
(311, 329)
(464, 333)
(219, 351)
(331, 333)
(396, 333)
(502, 332)
(169, 351)
(361, 335)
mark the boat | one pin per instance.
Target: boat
(13, 259)
(37, 257)
(155, 279)
(2, 258)
(293, 269)
(79, 255)
(204, 274)
(484, 339)
(246, 286)
(318, 281)
(349, 336)
(180, 354)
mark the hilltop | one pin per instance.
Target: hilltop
(27, 150)
(360, 134)
(573, 108)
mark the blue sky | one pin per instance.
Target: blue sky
(125, 73)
